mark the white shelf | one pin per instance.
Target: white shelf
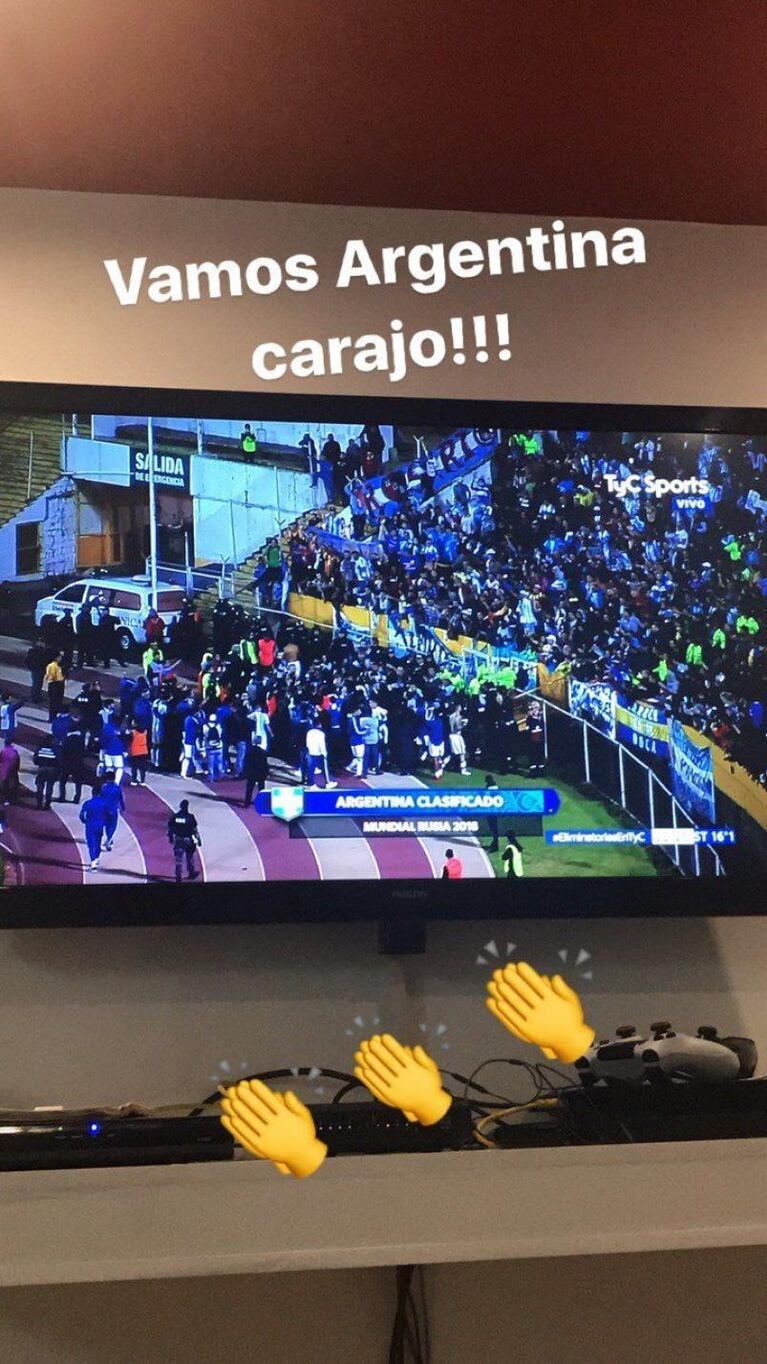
(240, 1217)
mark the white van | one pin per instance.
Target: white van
(129, 601)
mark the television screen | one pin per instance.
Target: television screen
(306, 651)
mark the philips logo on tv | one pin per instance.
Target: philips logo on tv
(693, 488)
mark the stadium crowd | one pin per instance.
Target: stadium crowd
(314, 704)
(663, 603)
(296, 704)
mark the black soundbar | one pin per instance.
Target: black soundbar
(48, 1141)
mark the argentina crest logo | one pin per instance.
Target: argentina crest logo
(288, 802)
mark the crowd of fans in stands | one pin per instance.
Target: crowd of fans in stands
(660, 602)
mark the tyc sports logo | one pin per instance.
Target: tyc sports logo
(636, 483)
(697, 490)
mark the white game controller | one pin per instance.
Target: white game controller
(666, 1055)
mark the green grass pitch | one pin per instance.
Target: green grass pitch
(577, 811)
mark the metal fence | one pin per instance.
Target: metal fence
(220, 577)
(586, 756)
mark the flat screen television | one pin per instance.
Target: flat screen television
(268, 657)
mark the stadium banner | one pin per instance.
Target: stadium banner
(381, 630)
(734, 781)
(344, 544)
(595, 702)
(553, 685)
(460, 460)
(692, 774)
(472, 483)
(356, 621)
(464, 645)
(408, 636)
(642, 725)
(312, 610)
(456, 646)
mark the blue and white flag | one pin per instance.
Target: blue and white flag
(595, 702)
(692, 774)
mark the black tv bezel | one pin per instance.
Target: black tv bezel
(234, 902)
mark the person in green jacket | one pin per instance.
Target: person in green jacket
(662, 669)
(733, 548)
(249, 652)
(152, 654)
(247, 440)
(512, 857)
(694, 656)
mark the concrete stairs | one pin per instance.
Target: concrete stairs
(242, 577)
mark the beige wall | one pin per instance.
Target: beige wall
(619, 1309)
(687, 327)
(110, 1015)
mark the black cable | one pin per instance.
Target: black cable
(346, 1089)
(413, 1325)
(421, 1276)
(506, 1061)
(573, 1131)
(503, 1100)
(284, 1074)
(498, 1100)
(583, 1091)
(410, 1339)
(492, 1099)
(350, 1083)
(397, 1343)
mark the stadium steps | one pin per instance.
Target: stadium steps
(242, 576)
(14, 461)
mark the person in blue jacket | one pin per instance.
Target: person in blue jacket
(192, 732)
(126, 693)
(112, 758)
(141, 706)
(114, 802)
(93, 814)
(61, 725)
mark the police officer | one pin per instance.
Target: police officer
(72, 761)
(86, 637)
(255, 770)
(46, 760)
(36, 662)
(106, 637)
(184, 837)
(492, 820)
